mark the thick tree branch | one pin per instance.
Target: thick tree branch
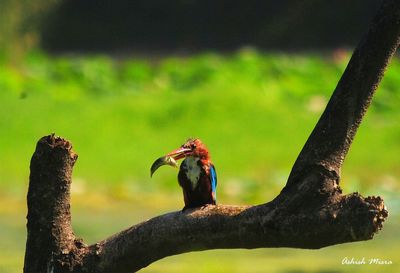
(311, 220)
(314, 215)
(50, 234)
(310, 212)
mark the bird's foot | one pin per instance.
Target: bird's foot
(205, 206)
(202, 207)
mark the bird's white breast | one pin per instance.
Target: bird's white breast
(192, 170)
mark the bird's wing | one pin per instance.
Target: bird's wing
(213, 178)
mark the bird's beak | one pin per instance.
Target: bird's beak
(169, 159)
(179, 153)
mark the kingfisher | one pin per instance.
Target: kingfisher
(197, 176)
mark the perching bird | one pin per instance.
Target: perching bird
(196, 176)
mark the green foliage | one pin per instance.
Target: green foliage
(253, 110)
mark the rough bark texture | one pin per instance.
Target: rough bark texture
(51, 241)
(310, 212)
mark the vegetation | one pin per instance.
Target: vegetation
(253, 110)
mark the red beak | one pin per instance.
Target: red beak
(179, 153)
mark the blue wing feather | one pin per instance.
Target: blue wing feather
(213, 178)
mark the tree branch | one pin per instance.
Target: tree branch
(50, 235)
(331, 138)
(286, 221)
(310, 212)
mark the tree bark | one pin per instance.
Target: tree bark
(51, 242)
(310, 212)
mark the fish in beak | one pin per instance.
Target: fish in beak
(170, 159)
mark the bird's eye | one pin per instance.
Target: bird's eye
(193, 146)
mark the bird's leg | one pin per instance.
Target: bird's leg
(203, 207)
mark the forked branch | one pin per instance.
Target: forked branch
(310, 212)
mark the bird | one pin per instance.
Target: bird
(197, 175)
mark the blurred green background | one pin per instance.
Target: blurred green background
(121, 109)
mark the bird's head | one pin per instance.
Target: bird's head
(192, 147)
